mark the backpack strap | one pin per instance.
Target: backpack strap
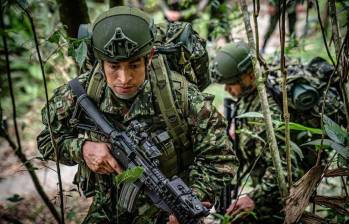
(177, 126)
(96, 84)
(181, 85)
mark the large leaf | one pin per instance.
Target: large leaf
(294, 146)
(300, 127)
(334, 131)
(296, 149)
(340, 149)
(251, 115)
(129, 176)
(81, 53)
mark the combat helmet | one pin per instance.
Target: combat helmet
(122, 33)
(232, 61)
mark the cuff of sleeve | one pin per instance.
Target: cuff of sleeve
(76, 149)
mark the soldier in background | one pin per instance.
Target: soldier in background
(233, 67)
(209, 18)
(275, 11)
(124, 85)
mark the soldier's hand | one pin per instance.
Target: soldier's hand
(172, 15)
(243, 204)
(172, 220)
(99, 159)
(272, 10)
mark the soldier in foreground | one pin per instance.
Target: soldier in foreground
(130, 83)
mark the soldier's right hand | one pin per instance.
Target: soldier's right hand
(99, 159)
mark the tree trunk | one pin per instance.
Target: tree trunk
(72, 14)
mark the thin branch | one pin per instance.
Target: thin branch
(324, 101)
(264, 104)
(18, 149)
(27, 12)
(323, 32)
(337, 39)
(284, 94)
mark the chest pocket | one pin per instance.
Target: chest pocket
(168, 158)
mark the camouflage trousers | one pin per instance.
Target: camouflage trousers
(105, 209)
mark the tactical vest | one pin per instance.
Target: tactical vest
(180, 58)
(167, 87)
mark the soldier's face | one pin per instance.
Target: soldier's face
(126, 77)
(237, 89)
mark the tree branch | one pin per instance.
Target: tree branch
(264, 103)
(18, 149)
(284, 94)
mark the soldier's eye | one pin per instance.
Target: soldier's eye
(134, 66)
(114, 66)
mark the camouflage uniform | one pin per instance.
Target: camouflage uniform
(213, 164)
(231, 65)
(266, 192)
(211, 21)
(251, 144)
(273, 20)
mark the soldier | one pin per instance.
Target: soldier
(232, 66)
(275, 14)
(127, 84)
(208, 17)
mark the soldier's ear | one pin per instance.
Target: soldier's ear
(251, 76)
(150, 57)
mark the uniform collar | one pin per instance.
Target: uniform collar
(142, 104)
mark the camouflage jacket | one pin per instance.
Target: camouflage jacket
(253, 144)
(213, 164)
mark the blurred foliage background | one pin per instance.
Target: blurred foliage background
(62, 53)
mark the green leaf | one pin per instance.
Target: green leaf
(294, 146)
(251, 115)
(300, 127)
(71, 51)
(15, 198)
(55, 37)
(218, 216)
(296, 149)
(81, 53)
(129, 176)
(35, 72)
(317, 142)
(71, 215)
(340, 149)
(334, 131)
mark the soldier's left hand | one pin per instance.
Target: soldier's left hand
(243, 204)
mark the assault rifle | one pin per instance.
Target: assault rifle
(229, 114)
(133, 147)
